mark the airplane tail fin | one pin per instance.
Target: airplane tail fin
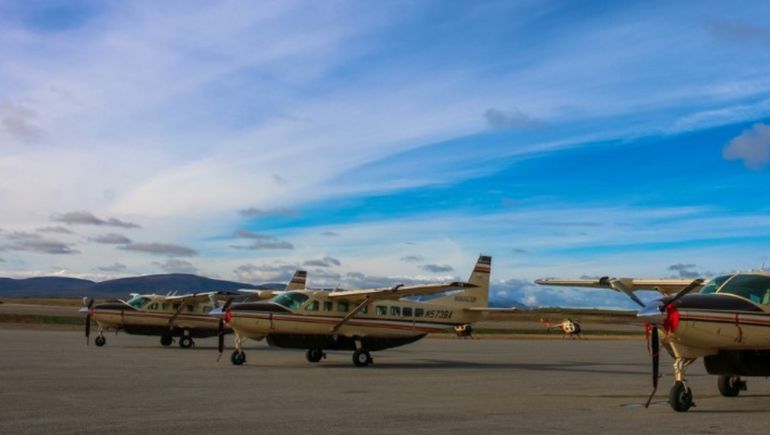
(298, 281)
(473, 297)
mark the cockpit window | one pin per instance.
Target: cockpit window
(138, 301)
(755, 288)
(290, 300)
(713, 285)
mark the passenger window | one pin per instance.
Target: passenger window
(419, 312)
(176, 307)
(153, 306)
(328, 305)
(191, 308)
(365, 309)
(164, 306)
(395, 311)
(205, 309)
(407, 312)
(382, 310)
(342, 306)
(312, 306)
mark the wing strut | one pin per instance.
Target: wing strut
(174, 316)
(360, 307)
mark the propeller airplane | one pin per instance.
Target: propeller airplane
(168, 316)
(359, 320)
(725, 320)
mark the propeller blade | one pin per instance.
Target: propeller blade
(655, 350)
(88, 320)
(621, 287)
(692, 286)
(221, 334)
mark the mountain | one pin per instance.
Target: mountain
(119, 288)
(507, 303)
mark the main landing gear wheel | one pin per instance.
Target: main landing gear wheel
(166, 340)
(186, 341)
(361, 358)
(680, 397)
(314, 355)
(730, 386)
(100, 341)
(238, 357)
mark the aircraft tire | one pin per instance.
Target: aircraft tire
(185, 342)
(361, 358)
(680, 397)
(100, 341)
(729, 386)
(238, 357)
(166, 340)
(314, 355)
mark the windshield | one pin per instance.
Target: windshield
(713, 285)
(290, 300)
(755, 288)
(138, 301)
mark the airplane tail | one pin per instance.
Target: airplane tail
(473, 297)
(298, 281)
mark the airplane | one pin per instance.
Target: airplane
(168, 316)
(570, 328)
(725, 320)
(361, 321)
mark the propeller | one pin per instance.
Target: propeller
(89, 314)
(654, 346)
(221, 331)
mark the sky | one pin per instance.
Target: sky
(375, 143)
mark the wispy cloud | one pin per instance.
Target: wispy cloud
(86, 218)
(41, 246)
(261, 212)
(57, 230)
(115, 267)
(20, 122)
(412, 258)
(497, 118)
(168, 249)
(174, 265)
(437, 268)
(260, 241)
(111, 239)
(324, 262)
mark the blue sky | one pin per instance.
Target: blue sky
(381, 143)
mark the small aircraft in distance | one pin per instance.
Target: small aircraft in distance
(359, 320)
(570, 328)
(168, 316)
(725, 320)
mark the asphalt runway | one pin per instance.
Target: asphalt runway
(50, 382)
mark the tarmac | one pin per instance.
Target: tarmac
(51, 382)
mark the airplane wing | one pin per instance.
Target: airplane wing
(201, 297)
(666, 286)
(397, 292)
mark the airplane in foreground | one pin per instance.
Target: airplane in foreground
(168, 316)
(361, 321)
(725, 320)
(570, 328)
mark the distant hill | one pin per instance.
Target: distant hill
(73, 287)
(507, 303)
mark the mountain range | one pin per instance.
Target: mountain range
(52, 286)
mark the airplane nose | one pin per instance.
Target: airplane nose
(654, 312)
(83, 310)
(217, 312)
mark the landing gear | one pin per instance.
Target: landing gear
(680, 396)
(186, 342)
(730, 386)
(238, 357)
(166, 340)
(314, 355)
(361, 358)
(100, 341)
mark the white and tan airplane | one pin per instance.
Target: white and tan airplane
(359, 320)
(725, 320)
(168, 316)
